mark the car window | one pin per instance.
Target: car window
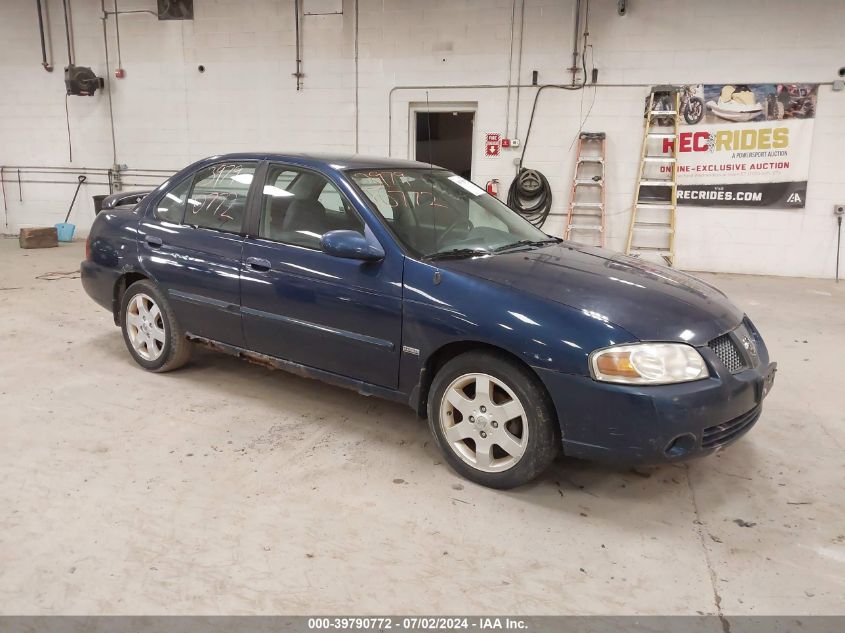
(375, 189)
(282, 180)
(299, 206)
(171, 208)
(332, 201)
(436, 212)
(274, 198)
(479, 217)
(218, 197)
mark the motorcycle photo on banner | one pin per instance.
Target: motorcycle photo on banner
(744, 144)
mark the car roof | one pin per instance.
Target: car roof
(337, 161)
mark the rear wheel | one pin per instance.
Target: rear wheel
(493, 420)
(150, 330)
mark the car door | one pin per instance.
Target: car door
(300, 304)
(190, 243)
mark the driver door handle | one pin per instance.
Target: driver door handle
(154, 241)
(258, 264)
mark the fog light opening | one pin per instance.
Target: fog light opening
(680, 446)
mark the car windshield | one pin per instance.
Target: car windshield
(437, 214)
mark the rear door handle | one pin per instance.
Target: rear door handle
(258, 264)
(154, 241)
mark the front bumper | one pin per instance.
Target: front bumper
(640, 425)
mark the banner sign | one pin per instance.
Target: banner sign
(743, 145)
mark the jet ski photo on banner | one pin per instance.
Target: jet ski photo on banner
(744, 145)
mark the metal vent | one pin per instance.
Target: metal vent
(729, 431)
(728, 352)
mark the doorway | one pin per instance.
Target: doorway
(442, 135)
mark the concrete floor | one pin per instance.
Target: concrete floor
(228, 488)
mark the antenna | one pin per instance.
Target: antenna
(428, 125)
(431, 170)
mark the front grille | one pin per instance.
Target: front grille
(721, 434)
(728, 352)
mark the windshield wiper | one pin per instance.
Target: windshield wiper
(456, 253)
(521, 243)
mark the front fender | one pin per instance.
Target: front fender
(443, 307)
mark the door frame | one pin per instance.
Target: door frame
(253, 314)
(441, 106)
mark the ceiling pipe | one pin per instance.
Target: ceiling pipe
(519, 67)
(297, 21)
(482, 87)
(67, 32)
(357, 100)
(44, 63)
(576, 31)
(118, 72)
(104, 19)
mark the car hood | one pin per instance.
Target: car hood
(652, 302)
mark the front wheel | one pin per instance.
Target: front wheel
(694, 110)
(493, 420)
(150, 330)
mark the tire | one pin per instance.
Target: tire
(694, 110)
(486, 450)
(160, 344)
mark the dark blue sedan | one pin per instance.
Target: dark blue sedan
(409, 282)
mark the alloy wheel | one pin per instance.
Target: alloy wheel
(145, 326)
(484, 422)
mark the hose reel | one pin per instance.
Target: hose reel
(530, 195)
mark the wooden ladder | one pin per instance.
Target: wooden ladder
(652, 227)
(586, 217)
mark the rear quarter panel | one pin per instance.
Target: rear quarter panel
(113, 252)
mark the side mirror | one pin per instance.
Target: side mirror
(351, 245)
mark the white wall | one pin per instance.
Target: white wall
(167, 114)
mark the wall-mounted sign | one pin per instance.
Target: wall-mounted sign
(744, 144)
(493, 144)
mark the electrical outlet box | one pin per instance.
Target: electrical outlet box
(514, 142)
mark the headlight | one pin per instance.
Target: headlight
(648, 364)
